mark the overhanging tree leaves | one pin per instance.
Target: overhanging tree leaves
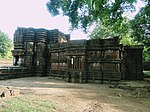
(141, 26)
(82, 13)
(141, 29)
(119, 28)
(5, 45)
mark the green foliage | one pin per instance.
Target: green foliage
(146, 74)
(122, 30)
(29, 103)
(82, 13)
(103, 30)
(141, 29)
(146, 54)
(5, 45)
(141, 26)
(128, 41)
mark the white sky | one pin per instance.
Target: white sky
(33, 13)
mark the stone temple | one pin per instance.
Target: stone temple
(43, 52)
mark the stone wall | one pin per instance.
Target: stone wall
(13, 72)
(50, 52)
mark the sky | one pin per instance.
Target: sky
(34, 13)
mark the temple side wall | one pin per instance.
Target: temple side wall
(51, 53)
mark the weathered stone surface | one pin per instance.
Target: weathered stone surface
(13, 72)
(50, 52)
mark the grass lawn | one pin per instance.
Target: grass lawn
(146, 73)
(28, 103)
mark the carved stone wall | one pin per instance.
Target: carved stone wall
(50, 52)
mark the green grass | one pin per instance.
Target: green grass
(146, 73)
(26, 104)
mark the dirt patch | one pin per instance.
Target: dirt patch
(6, 62)
(74, 97)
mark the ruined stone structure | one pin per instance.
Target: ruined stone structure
(52, 53)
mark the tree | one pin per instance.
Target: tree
(123, 31)
(5, 45)
(141, 29)
(82, 13)
(103, 30)
(141, 26)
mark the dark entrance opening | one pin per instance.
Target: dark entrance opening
(16, 60)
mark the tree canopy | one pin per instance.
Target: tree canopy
(108, 15)
(123, 31)
(5, 45)
(82, 13)
(141, 25)
(141, 29)
(120, 28)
